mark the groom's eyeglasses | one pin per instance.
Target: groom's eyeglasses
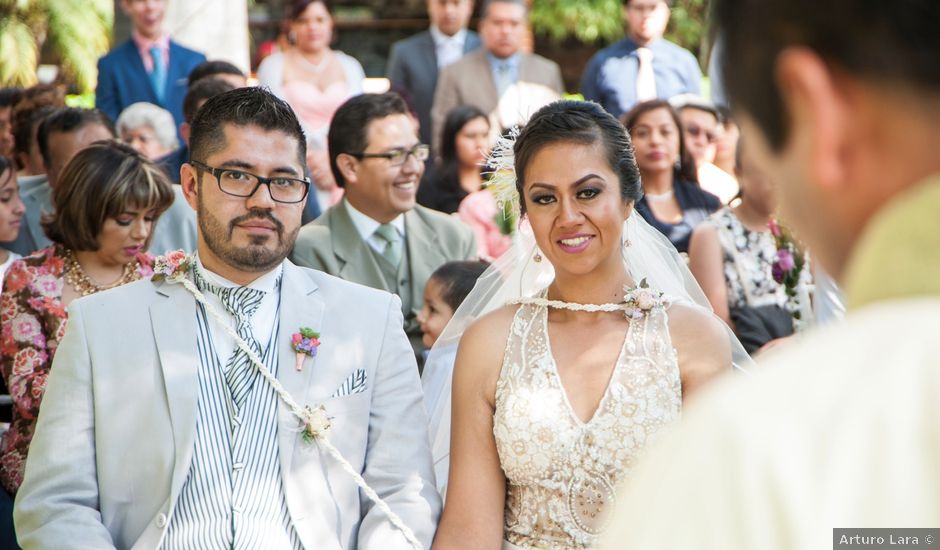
(397, 157)
(239, 183)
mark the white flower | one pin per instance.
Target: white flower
(318, 422)
(645, 299)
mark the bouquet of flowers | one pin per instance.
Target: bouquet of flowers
(788, 270)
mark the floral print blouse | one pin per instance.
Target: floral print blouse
(33, 319)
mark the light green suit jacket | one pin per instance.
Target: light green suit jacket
(331, 243)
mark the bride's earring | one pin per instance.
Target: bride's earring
(538, 257)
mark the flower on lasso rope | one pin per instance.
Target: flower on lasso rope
(304, 343)
(316, 423)
(641, 299)
(172, 266)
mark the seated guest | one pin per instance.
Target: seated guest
(702, 128)
(8, 98)
(31, 174)
(149, 67)
(221, 70)
(726, 148)
(106, 202)
(459, 169)
(377, 235)
(148, 129)
(11, 213)
(732, 255)
(672, 200)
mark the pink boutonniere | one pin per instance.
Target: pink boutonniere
(305, 343)
(172, 265)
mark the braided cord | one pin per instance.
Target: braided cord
(558, 304)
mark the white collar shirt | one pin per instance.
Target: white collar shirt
(366, 227)
(448, 48)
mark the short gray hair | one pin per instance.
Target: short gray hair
(156, 118)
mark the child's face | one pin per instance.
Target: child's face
(435, 314)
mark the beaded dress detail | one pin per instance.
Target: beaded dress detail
(561, 473)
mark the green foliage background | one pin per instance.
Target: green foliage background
(75, 32)
(600, 22)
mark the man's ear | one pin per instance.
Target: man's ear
(189, 183)
(348, 166)
(819, 123)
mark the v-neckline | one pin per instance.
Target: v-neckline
(561, 386)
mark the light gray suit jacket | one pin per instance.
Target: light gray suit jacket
(37, 199)
(114, 440)
(412, 66)
(470, 82)
(176, 228)
(331, 243)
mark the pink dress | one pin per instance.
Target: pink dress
(479, 210)
(315, 107)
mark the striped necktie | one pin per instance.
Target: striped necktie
(392, 251)
(242, 302)
(158, 74)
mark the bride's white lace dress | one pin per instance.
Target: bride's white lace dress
(561, 473)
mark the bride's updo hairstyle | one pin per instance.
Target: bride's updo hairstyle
(582, 122)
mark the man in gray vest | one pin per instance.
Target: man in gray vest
(377, 235)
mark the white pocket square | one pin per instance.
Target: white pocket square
(354, 383)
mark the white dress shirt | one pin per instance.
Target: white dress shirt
(366, 227)
(448, 48)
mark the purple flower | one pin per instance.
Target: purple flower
(785, 260)
(777, 273)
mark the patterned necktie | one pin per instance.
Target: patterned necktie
(242, 302)
(503, 77)
(392, 250)
(158, 74)
(645, 79)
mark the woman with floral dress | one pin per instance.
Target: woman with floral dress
(106, 203)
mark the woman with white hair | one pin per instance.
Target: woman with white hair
(149, 129)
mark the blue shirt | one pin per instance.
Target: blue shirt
(610, 76)
(512, 61)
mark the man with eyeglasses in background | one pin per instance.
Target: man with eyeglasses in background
(643, 65)
(702, 127)
(159, 429)
(377, 235)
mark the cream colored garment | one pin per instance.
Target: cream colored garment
(839, 431)
(560, 471)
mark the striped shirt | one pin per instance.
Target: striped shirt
(233, 497)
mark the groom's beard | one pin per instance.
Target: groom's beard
(260, 254)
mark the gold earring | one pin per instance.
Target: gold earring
(537, 257)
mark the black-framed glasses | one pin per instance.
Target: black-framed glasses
(239, 183)
(397, 157)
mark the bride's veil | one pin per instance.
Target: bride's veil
(515, 275)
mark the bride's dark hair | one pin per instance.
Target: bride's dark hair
(582, 122)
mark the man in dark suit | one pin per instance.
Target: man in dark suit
(499, 78)
(377, 236)
(148, 67)
(415, 61)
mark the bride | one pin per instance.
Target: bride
(555, 395)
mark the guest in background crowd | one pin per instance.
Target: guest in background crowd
(499, 78)
(458, 171)
(221, 70)
(377, 235)
(314, 80)
(8, 98)
(106, 201)
(61, 134)
(444, 292)
(148, 129)
(11, 213)
(726, 148)
(415, 62)
(32, 106)
(732, 255)
(198, 93)
(643, 66)
(149, 67)
(703, 128)
(672, 200)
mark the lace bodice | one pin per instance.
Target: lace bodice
(561, 472)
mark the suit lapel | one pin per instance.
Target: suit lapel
(359, 264)
(429, 55)
(424, 254)
(174, 72)
(174, 328)
(486, 84)
(132, 57)
(301, 307)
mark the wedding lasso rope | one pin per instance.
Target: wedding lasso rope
(299, 412)
(558, 304)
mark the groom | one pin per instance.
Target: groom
(156, 430)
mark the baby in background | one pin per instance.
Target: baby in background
(444, 292)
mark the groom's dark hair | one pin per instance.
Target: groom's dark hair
(252, 106)
(350, 125)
